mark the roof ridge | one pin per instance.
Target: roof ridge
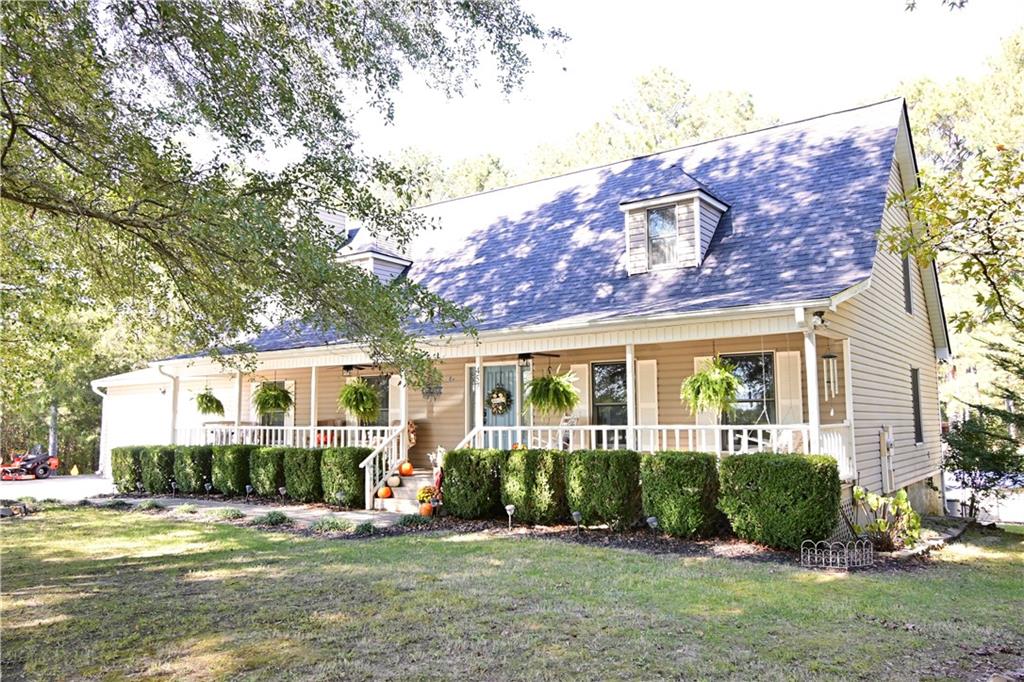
(663, 151)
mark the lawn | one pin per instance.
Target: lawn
(97, 594)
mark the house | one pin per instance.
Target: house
(761, 247)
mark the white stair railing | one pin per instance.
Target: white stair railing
(383, 462)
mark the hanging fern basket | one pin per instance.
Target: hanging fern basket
(207, 403)
(552, 393)
(361, 399)
(271, 397)
(713, 389)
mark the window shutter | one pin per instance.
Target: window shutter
(789, 396)
(289, 416)
(647, 399)
(582, 383)
(253, 387)
(705, 441)
(636, 242)
(394, 400)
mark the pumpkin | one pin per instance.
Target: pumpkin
(393, 481)
(384, 492)
(405, 468)
(426, 509)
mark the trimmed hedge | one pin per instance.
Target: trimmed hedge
(230, 469)
(126, 467)
(681, 490)
(302, 474)
(472, 483)
(192, 467)
(604, 486)
(266, 470)
(780, 500)
(157, 464)
(534, 481)
(339, 471)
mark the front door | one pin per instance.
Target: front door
(500, 400)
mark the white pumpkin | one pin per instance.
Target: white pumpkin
(394, 481)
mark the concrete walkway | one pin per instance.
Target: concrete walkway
(302, 515)
(63, 488)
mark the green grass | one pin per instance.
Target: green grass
(147, 597)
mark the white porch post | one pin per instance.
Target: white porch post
(478, 394)
(630, 396)
(813, 406)
(851, 434)
(238, 406)
(174, 410)
(403, 411)
(312, 407)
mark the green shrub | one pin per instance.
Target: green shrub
(272, 518)
(412, 521)
(192, 467)
(780, 500)
(227, 513)
(302, 474)
(472, 483)
(266, 470)
(340, 472)
(681, 490)
(365, 528)
(230, 469)
(187, 509)
(331, 524)
(157, 468)
(126, 468)
(604, 486)
(534, 481)
(149, 505)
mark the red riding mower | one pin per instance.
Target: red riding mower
(30, 465)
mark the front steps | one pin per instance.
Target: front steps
(403, 500)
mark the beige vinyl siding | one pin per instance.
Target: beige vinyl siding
(137, 415)
(685, 246)
(709, 217)
(636, 241)
(886, 343)
(222, 387)
(386, 270)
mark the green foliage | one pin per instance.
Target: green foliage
(149, 505)
(340, 472)
(780, 500)
(361, 399)
(983, 457)
(126, 468)
(157, 464)
(365, 528)
(552, 393)
(472, 483)
(681, 490)
(534, 481)
(712, 389)
(604, 486)
(302, 474)
(208, 403)
(891, 521)
(230, 469)
(438, 181)
(192, 467)
(413, 521)
(266, 470)
(331, 524)
(188, 508)
(272, 397)
(227, 514)
(272, 518)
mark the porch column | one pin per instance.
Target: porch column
(630, 396)
(851, 438)
(312, 407)
(403, 411)
(174, 410)
(478, 393)
(813, 407)
(238, 407)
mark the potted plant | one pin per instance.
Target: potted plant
(425, 497)
(552, 393)
(207, 403)
(361, 399)
(712, 389)
(272, 397)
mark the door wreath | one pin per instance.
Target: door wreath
(499, 400)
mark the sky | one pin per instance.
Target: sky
(797, 58)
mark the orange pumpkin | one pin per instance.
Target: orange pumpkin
(384, 492)
(426, 509)
(405, 468)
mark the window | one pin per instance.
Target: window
(908, 290)
(915, 396)
(662, 235)
(608, 388)
(755, 401)
(381, 384)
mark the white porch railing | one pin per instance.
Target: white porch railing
(382, 462)
(728, 439)
(287, 436)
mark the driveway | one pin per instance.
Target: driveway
(63, 488)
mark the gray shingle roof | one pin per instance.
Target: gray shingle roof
(806, 201)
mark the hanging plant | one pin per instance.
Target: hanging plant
(361, 399)
(552, 393)
(207, 403)
(271, 397)
(713, 389)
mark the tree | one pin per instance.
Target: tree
(437, 181)
(663, 112)
(983, 458)
(130, 180)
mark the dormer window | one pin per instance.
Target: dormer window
(662, 236)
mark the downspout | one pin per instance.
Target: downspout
(104, 469)
(174, 401)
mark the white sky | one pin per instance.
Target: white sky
(798, 58)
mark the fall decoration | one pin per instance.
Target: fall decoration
(426, 493)
(361, 399)
(426, 509)
(405, 468)
(552, 393)
(499, 400)
(207, 403)
(384, 492)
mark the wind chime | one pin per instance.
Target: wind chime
(830, 370)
